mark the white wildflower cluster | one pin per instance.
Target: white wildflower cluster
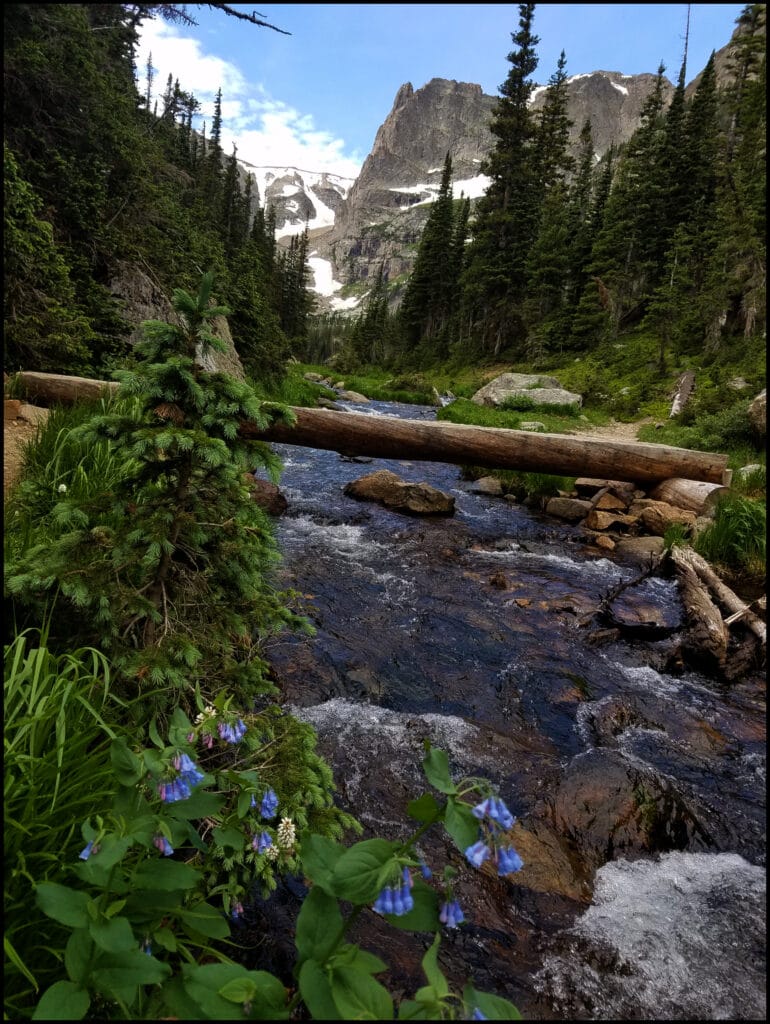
(287, 834)
(62, 488)
(208, 712)
(272, 853)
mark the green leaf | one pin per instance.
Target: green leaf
(358, 874)
(229, 838)
(113, 935)
(315, 989)
(126, 970)
(65, 905)
(432, 970)
(78, 955)
(206, 985)
(239, 990)
(62, 1001)
(318, 926)
(410, 1010)
(199, 804)
(436, 768)
(367, 962)
(461, 824)
(319, 858)
(112, 849)
(493, 1007)
(114, 908)
(165, 938)
(206, 920)
(426, 809)
(127, 766)
(423, 917)
(166, 875)
(359, 997)
(155, 735)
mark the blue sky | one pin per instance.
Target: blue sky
(315, 99)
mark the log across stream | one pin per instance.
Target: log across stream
(353, 434)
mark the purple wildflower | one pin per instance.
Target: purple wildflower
(406, 876)
(500, 813)
(269, 804)
(232, 732)
(396, 901)
(384, 902)
(237, 911)
(451, 915)
(163, 845)
(478, 853)
(427, 874)
(87, 850)
(177, 789)
(253, 802)
(191, 737)
(482, 810)
(508, 861)
(262, 842)
(188, 769)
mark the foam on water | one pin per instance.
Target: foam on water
(681, 938)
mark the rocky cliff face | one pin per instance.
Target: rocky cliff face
(380, 221)
(610, 101)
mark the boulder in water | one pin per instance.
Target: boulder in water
(390, 490)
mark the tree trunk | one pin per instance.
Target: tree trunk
(705, 642)
(388, 437)
(559, 454)
(686, 557)
(693, 495)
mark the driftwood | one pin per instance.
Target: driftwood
(685, 558)
(389, 437)
(693, 495)
(630, 625)
(707, 636)
(684, 388)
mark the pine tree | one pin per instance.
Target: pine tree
(426, 308)
(507, 216)
(171, 573)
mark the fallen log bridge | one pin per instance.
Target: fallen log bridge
(430, 441)
(492, 447)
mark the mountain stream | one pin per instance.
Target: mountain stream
(639, 794)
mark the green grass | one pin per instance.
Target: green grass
(54, 462)
(57, 774)
(737, 537)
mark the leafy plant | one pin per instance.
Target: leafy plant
(737, 537)
(56, 770)
(143, 939)
(169, 570)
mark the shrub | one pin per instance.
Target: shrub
(737, 537)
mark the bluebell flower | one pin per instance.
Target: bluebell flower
(163, 845)
(406, 877)
(87, 850)
(269, 804)
(478, 1015)
(232, 732)
(427, 874)
(188, 769)
(177, 789)
(481, 810)
(253, 802)
(147, 947)
(261, 842)
(237, 911)
(478, 853)
(508, 861)
(500, 813)
(395, 900)
(384, 902)
(451, 915)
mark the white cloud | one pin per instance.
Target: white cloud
(266, 131)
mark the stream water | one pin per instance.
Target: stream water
(639, 794)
